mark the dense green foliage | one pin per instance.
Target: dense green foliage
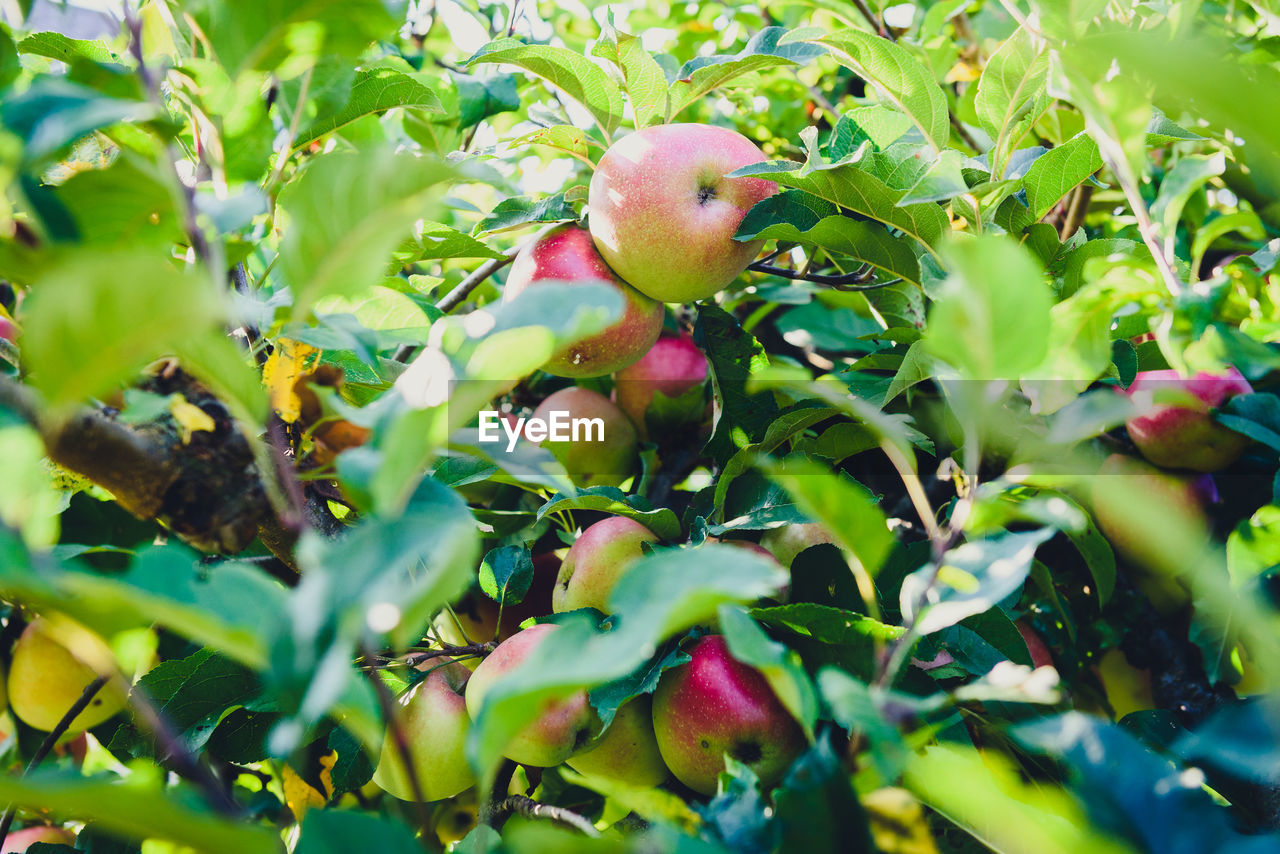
(252, 258)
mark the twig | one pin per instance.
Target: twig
(1116, 161)
(963, 133)
(394, 728)
(169, 748)
(874, 20)
(59, 730)
(528, 807)
(454, 298)
(1076, 210)
(846, 281)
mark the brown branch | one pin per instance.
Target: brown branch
(454, 298)
(529, 808)
(50, 740)
(170, 750)
(1076, 210)
(845, 281)
(874, 20)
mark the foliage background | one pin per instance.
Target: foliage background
(1036, 200)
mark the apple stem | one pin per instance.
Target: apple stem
(528, 807)
(59, 730)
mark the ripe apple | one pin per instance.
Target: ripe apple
(1184, 437)
(46, 679)
(433, 716)
(596, 458)
(673, 366)
(597, 561)
(8, 330)
(1039, 651)
(20, 840)
(715, 705)
(475, 616)
(788, 541)
(663, 214)
(565, 254)
(628, 750)
(563, 727)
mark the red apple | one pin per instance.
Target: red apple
(565, 254)
(1039, 651)
(20, 840)
(597, 560)
(1184, 437)
(562, 728)
(604, 457)
(715, 705)
(673, 366)
(663, 214)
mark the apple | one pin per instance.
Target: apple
(1039, 651)
(1185, 437)
(565, 254)
(715, 704)
(562, 728)
(628, 750)
(673, 366)
(596, 561)
(433, 716)
(663, 214)
(20, 840)
(46, 679)
(453, 819)
(1128, 689)
(8, 330)
(474, 618)
(597, 458)
(787, 542)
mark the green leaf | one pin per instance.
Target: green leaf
(1012, 94)
(1186, 177)
(767, 49)
(1058, 171)
(53, 113)
(374, 91)
(570, 72)
(609, 499)
(136, 807)
(347, 213)
(850, 186)
(57, 46)
(990, 327)
(843, 506)
(437, 240)
(343, 831)
(98, 317)
(265, 34)
(1079, 348)
(972, 578)
(899, 77)
(733, 356)
(506, 573)
(942, 180)
(571, 140)
(522, 210)
(781, 666)
(642, 77)
(10, 67)
(841, 235)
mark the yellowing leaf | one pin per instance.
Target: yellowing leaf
(897, 821)
(300, 796)
(190, 418)
(281, 372)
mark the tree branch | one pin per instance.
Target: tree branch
(454, 298)
(59, 730)
(845, 281)
(528, 807)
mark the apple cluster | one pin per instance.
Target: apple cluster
(710, 707)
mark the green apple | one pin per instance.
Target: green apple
(46, 679)
(715, 705)
(596, 561)
(565, 254)
(433, 716)
(474, 618)
(663, 214)
(603, 451)
(788, 541)
(628, 750)
(562, 727)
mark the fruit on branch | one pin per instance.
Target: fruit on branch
(474, 618)
(565, 254)
(433, 717)
(714, 705)
(603, 453)
(663, 214)
(1036, 647)
(787, 542)
(46, 679)
(562, 728)
(673, 366)
(453, 819)
(20, 840)
(597, 561)
(628, 750)
(1175, 436)
(1128, 689)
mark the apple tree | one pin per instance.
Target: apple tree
(800, 425)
